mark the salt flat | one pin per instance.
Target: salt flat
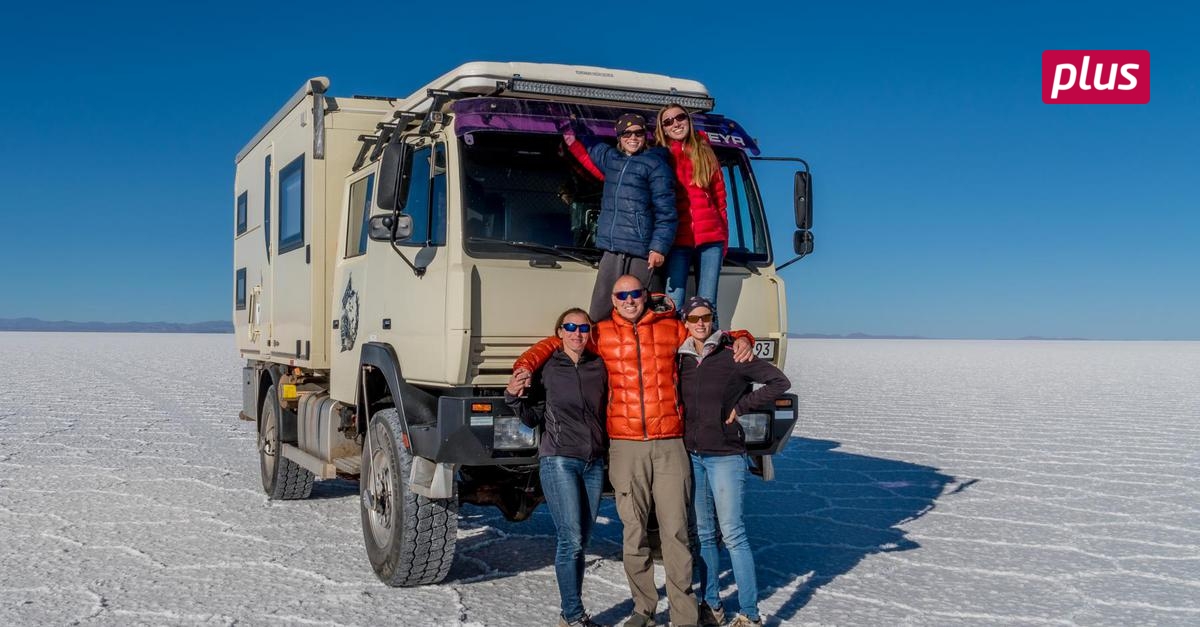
(929, 483)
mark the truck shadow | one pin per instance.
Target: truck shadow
(826, 511)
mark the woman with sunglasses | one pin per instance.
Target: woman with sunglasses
(567, 397)
(713, 388)
(636, 225)
(702, 234)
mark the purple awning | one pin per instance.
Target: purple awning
(540, 116)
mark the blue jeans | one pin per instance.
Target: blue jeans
(679, 263)
(719, 487)
(572, 488)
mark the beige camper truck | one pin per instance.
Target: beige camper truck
(393, 256)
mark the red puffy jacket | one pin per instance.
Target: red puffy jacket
(702, 217)
(643, 400)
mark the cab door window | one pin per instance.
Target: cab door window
(427, 197)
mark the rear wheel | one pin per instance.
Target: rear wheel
(409, 538)
(282, 478)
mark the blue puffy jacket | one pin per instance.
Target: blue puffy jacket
(637, 210)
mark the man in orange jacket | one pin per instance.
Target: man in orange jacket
(649, 467)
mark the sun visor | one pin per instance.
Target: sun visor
(540, 116)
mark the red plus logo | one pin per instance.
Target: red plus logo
(1096, 76)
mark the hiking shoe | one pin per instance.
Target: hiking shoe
(639, 620)
(582, 621)
(742, 621)
(711, 616)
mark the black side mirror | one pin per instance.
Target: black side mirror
(803, 200)
(802, 242)
(387, 228)
(395, 172)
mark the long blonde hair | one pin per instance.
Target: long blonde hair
(704, 160)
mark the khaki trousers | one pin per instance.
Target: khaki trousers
(655, 473)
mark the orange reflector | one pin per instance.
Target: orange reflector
(783, 402)
(481, 407)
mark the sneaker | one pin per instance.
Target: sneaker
(742, 621)
(582, 621)
(639, 620)
(711, 616)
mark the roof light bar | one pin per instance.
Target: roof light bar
(695, 103)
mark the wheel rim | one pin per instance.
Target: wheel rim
(266, 443)
(380, 489)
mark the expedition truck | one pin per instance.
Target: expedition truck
(393, 256)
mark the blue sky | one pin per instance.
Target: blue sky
(950, 202)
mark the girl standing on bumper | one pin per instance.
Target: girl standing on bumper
(567, 397)
(713, 390)
(702, 234)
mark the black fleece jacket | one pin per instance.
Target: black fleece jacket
(712, 387)
(568, 400)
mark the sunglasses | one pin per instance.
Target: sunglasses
(700, 318)
(634, 294)
(571, 327)
(628, 134)
(672, 121)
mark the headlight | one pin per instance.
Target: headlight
(508, 433)
(755, 427)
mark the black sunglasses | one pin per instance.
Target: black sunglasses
(634, 294)
(571, 327)
(627, 134)
(672, 121)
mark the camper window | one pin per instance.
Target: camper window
(267, 204)
(241, 212)
(291, 206)
(358, 215)
(239, 289)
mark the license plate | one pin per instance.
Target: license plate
(764, 349)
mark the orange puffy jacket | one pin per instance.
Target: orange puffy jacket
(643, 400)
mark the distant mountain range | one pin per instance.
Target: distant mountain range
(867, 336)
(33, 324)
(854, 336)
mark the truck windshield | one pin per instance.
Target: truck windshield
(525, 188)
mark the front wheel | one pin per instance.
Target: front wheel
(409, 538)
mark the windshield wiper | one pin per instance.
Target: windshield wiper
(556, 250)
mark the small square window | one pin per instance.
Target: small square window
(242, 202)
(239, 289)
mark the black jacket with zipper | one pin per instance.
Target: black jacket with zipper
(568, 401)
(714, 384)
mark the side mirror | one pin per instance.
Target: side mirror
(802, 242)
(803, 200)
(388, 228)
(395, 172)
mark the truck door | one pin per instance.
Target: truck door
(415, 307)
(352, 303)
(292, 314)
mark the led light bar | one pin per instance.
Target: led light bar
(658, 98)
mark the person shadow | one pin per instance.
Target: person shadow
(826, 511)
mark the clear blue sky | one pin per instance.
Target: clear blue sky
(950, 201)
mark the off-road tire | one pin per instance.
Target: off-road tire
(409, 538)
(282, 478)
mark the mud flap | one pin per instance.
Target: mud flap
(431, 480)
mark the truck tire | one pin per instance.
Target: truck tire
(282, 478)
(409, 538)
